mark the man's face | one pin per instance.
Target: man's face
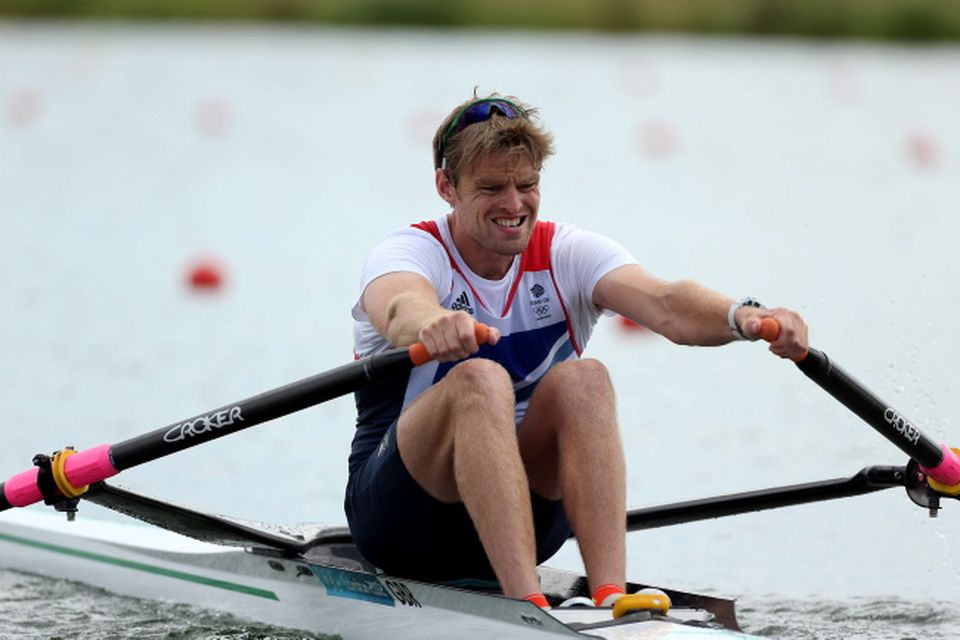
(495, 207)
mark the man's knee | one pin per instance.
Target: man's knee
(479, 377)
(473, 388)
(587, 377)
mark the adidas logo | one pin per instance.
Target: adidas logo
(462, 303)
(537, 290)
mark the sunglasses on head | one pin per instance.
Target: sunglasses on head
(478, 111)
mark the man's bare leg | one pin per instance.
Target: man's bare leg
(458, 440)
(572, 450)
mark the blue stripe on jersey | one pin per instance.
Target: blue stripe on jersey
(563, 353)
(521, 353)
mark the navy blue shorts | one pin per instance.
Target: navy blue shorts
(406, 532)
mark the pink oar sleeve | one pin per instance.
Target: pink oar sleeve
(948, 471)
(82, 468)
(21, 489)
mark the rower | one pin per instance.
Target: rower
(480, 464)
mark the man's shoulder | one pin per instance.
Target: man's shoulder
(416, 234)
(567, 232)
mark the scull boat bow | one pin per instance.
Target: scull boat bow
(312, 578)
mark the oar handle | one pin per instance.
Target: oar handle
(419, 354)
(939, 462)
(770, 331)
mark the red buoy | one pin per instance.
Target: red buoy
(922, 150)
(22, 108)
(656, 139)
(214, 117)
(205, 275)
(629, 325)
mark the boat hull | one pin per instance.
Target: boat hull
(328, 590)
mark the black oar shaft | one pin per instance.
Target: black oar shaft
(867, 480)
(889, 422)
(940, 463)
(259, 409)
(99, 463)
(22, 489)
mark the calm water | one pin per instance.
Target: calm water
(822, 177)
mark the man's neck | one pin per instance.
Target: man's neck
(480, 260)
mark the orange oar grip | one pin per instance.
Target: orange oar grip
(419, 355)
(481, 332)
(769, 329)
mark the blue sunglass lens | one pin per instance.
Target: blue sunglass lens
(482, 111)
(479, 111)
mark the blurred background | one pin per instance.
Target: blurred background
(910, 20)
(188, 191)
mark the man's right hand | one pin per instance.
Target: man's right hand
(451, 336)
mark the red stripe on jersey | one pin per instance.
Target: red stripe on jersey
(536, 257)
(433, 229)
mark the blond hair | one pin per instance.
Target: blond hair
(456, 150)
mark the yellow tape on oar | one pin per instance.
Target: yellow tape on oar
(57, 469)
(645, 600)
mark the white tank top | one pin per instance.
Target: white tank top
(543, 307)
(531, 317)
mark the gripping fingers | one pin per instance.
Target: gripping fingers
(420, 355)
(770, 331)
